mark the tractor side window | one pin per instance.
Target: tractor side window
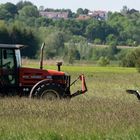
(8, 58)
(8, 66)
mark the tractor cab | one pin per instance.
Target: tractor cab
(10, 61)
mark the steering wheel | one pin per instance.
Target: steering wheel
(7, 65)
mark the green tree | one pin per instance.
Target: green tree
(110, 39)
(41, 22)
(124, 10)
(28, 14)
(4, 34)
(70, 13)
(91, 30)
(29, 11)
(55, 44)
(80, 11)
(22, 4)
(98, 29)
(7, 11)
(4, 14)
(11, 8)
(86, 11)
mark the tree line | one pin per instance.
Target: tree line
(72, 38)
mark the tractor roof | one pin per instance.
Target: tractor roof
(11, 46)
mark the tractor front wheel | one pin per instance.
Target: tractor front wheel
(49, 94)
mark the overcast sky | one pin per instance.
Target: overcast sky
(108, 5)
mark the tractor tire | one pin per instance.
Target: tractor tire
(49, 92)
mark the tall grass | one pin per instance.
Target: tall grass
(106, 112)
(78, 119)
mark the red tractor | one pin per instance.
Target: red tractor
(33, 82)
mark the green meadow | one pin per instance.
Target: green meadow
(105, 112)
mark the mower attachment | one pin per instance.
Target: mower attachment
(135, 92)
(83, 88)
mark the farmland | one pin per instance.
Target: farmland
(106, 111)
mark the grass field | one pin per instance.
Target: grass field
(105, 112)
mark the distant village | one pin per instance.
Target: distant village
(98, 14)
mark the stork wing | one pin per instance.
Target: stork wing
(135, 92)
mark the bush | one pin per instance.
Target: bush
(132, 59)
(103, 61)
(97, 41)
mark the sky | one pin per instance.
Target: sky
(107, 5)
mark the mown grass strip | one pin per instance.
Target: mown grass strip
(94, 69)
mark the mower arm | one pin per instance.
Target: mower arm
(83, 88)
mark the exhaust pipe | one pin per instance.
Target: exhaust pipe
(59, 64)
(41, 56)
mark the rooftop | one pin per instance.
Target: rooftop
(12, 46)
